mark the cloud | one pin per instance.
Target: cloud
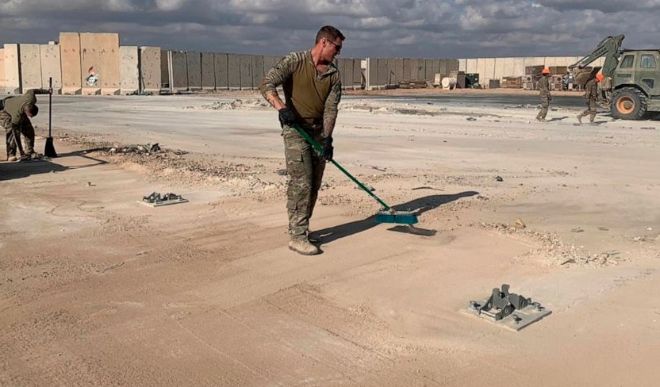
(417, 28)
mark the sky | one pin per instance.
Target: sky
(384, 28)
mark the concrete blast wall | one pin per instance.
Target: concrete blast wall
(221, 71)
(12, 69)
(3, 80)
(70, 59)
(150, 69)
(208, 71)
(129, 70)
(234, 72)
(245, 71)
(194, 66)
(51, 66)
(30, 64)
(257, 70)
(100, 60)
(165, 73)
(178, 69)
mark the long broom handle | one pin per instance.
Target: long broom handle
(50, 104)
(319, 149)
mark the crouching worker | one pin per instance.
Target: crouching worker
(312, 90)
(15, 119)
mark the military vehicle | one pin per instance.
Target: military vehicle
(632, 77)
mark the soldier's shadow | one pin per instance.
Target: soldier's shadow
(419, 205)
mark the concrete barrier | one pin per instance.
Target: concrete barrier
(150, 70)
(51, 66)
(208, 71)
(269, 62)
(70, 62)
(129, 71)
(398, 70)
(30, 64)
(100, 62)
(166, 81)
(12, 69)
(245, 71)
(221, 71)
(382, 73)
(359, 80)
(3, 79)
(428, 70)
(194, 65)
(257, 70)
(178, 69)
(234, 73)
(471, 65)
(462, 65)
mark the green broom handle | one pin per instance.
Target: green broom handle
(319, 150)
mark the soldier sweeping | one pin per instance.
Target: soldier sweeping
(15, 119)
(544, 92)
(591, 96)
(312, 90)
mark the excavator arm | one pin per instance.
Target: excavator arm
(609, 48)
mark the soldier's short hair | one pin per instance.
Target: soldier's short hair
(329, 32)
(33, 110)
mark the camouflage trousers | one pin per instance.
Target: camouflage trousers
(545, 104)
(305, 170)
(591, 110)
(13, 135)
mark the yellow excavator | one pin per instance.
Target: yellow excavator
(632, 77)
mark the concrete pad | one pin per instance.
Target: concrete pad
(194, 66)
(178, 70)
(245, 71)
(234, 67)
(51, 66)
(150, 69)
(12, 69)
(221, 71)
(70, 62)
(166, 79)
(129, 72)
(30, 64)
(257, 70)
(100, 63)
(208, 71)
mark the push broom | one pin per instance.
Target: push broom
(387, 214)
(49, 151)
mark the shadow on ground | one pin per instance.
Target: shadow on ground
(419, 205)
(18, 170)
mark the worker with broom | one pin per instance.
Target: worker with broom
(312, 91)
(15, 119)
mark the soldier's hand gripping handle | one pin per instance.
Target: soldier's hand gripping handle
(287, 116)
(328, 149)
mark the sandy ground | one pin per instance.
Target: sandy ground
(99, 289)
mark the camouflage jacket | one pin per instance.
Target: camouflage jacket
(14, 105)
(591, 90)
(313, 97)
(544, 87)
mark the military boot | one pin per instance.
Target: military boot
(12, 158)
(302, 246)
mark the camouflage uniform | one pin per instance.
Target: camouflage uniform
(544, 92)
(314, 99)
(591, 95)
(15, 122)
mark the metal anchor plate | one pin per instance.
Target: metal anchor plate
(509, 310)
